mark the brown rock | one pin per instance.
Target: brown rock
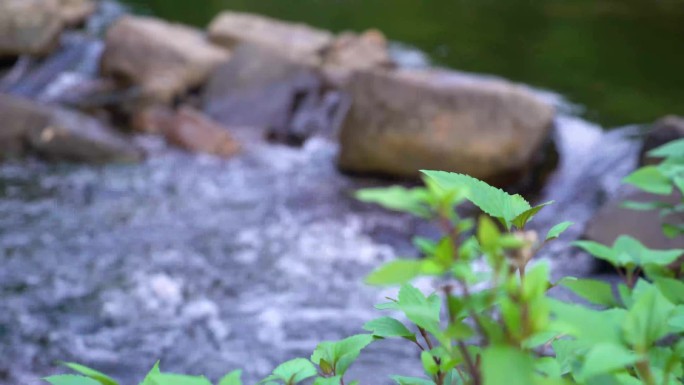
(612, 220)
(29, 27)
(59, 134)
(351, 52)
(165, 59)
(191, 130)
(406, 120)
(152, 119)
(74, 12)
(294, 40)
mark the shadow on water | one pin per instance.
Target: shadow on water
(621, 58)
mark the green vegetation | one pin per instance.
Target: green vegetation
(492, 321)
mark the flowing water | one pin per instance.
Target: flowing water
(211, 265)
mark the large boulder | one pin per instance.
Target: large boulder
(406, 120)
(301, 41)
(29, 27)
(74, 12)
(164, 59)
(191, 130)
(59, 134)
(613, 220)
(661, 132)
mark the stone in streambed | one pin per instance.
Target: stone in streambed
(29, 27)
(406, 120)
(230, 29)
(59, 134)
(164, 59)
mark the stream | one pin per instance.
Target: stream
(211, 265)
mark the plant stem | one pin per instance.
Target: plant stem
(426, 337)
(472, 367)
(645, 373)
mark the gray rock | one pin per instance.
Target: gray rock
(59, 134)
(29, 27)
(257, 88)
(663, 131)
(74, 12)
(351, 52)
(407, 120)
(165, 59)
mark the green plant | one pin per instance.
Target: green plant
(491, 320)
(664, 178)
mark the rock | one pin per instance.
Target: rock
(257, 88)
(152, 119)
(301, 41)
(351, 52)
(612, 220)
(29, 27)
(191, 130)
(406, 120)
(74, 12)
(60, 134)
(165, 59)
(663, 131)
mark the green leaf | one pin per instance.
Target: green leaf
(398, 198)
(341, 354)
(505, 365)
(294, 371)
(397, 272)
(597, 292)
(676, 322)
(151, 374)
(232, 378)
(336, 380)
(650, 179)
(422, 311)
(70, 379)
(596, 249)
(178, 379)
(92, 373)
(388, 327)
(588, 326)
(401, 380)
(487, 233)
(672, 289)
(429, 363)
(521, 220)
(606, 358)
(645, 206)
(557, 230)
(671, 149)
(493, 201)
(646, 321)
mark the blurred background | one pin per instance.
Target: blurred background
(177, 177)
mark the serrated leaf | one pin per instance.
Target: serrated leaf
(597, 292)
(92, 373)
(606, 358)
(557, 230)
(295, 371)
(388, 327)
(397, 272)
(232, 378)
(521, 220)
(341, 354)
(150, 375)
(650, 179)
(676, 321)
(493, 201)
(70, 379)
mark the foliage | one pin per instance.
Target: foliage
(491, 320)
(665, 178)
